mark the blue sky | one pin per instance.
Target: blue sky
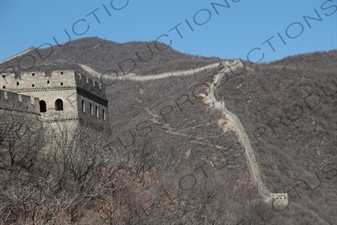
(241, 30)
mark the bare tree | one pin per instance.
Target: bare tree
(21, 139)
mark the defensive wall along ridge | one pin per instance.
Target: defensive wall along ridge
(17, 55)
(37, 85)
(133, 77)
(277, 199)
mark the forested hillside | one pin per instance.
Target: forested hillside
(168, 156)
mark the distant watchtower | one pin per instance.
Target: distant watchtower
(62, 96)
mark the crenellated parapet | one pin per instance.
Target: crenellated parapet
(279, 201)
(37, 81)
(60, 95)
(18, 102)
(89, 85)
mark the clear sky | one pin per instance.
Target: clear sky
(260, 30)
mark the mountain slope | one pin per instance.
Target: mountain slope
(182, 157)
(103, 55)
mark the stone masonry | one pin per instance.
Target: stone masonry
(62, 95)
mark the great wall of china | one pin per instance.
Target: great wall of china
(133, 77)
(277, 199)
(17, 55)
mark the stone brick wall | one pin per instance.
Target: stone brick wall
(59, 95)
(91, 100)
(68, 99)
(85, 83)
(92, 109)
(18, 102)
(57, 87)
(30, 81)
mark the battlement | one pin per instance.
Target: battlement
(58, 95)
(86, 84)
(279, 200)
(17, 102)
(32, 81)
(279, 196)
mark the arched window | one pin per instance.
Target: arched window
(96, 111)
(59, 105)
(43, 106)
(83, 106)
(104, 115)
(91, 110)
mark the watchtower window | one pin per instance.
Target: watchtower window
(96, 111)
(43, 106)
(104, 115)
(33, 74)
(61, 73)
(17, 83)
(3, 76)
(47, 81)
(91, 110)
(58, 105)
(83, 106)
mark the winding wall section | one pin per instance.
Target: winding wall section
(275, 198)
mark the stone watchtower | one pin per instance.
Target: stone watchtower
(62, 96)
